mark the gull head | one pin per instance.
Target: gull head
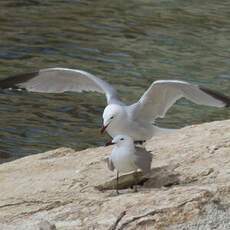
(121, 140)
(112, 116)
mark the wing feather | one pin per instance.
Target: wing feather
(143, 159)
(59, 80)
(162, 94)
(109, 163)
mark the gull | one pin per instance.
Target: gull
(126, 157)
(135, 120)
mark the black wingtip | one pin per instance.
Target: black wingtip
(219, 96)
(13, 81)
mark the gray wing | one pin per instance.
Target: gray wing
(58, 80)
(162, 94)
(109, 163)
(143, 159)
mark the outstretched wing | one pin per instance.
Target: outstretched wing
(143, 159)
(162, 94)
(59, 80)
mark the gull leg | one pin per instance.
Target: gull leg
(136, 182)
(117, 183)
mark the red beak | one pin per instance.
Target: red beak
(109, 143)
(103, 128)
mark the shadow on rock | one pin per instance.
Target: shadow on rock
(157, 178)
(162, 177)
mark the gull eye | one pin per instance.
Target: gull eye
(122, 139)
(111, 117)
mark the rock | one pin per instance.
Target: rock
(36, 225)
(188, 187)
(45, 225)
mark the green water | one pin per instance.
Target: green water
(129, 43)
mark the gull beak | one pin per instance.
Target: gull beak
(109, 143)
(103, 128)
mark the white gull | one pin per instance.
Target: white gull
(126, 157)
(135, 120)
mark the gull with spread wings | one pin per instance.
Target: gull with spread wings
(135, 120)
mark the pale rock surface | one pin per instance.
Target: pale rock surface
(189, 187)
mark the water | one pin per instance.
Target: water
(130, 43)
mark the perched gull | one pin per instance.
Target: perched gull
(126, 157)
(135, 120)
